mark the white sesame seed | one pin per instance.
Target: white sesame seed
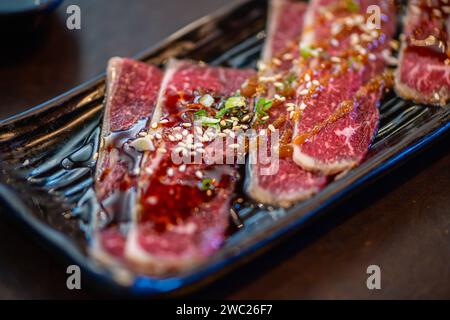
(170, 172)
(261, 66)
(291, 114)
(154, 125)
(307, 77)
(279, 85)
(276, 61)
(336, 59)
(199, 174)
(290, 105)
(304, 92)
(163, 121)
(199, 131)
(271, 128)
(288, 56)
(187, 125)
(182, 168)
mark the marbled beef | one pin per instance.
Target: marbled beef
(183, 209)
(132, 91)
(283, 183)
(423, 74)
(343, 69)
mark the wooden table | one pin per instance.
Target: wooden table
(400, 223)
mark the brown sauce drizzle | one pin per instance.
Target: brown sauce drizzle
(347, 106)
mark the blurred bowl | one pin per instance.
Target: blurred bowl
(19, 16)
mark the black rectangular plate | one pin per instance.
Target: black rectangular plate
(38, 188)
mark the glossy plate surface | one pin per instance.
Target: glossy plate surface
(47, 158)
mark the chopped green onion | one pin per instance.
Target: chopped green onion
(352, 6)
(206, 121)
(234, 102)
(200, 113)
(262, 105)
(307, 52)
(291, 78)
(206, 184)
(231, 103)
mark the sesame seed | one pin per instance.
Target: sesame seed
(279, 85)
(170, 172)
(162, 150)
(261, 66)
(291, 115)
(304, 92)
(154, 125)
(199, 131)
(288, 56)
(187, 125)
(199, 174)
(276, 61)
(164, 121)
(336, 59)
(271, 128)
(307, 77)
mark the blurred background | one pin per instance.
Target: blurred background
(39, 65)
(400, 223)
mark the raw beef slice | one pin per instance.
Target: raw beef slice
(132, 90)
(343, 68)
(183, 208)
(288, 183)
(423, 74)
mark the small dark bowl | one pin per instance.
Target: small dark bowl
(26, 18)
